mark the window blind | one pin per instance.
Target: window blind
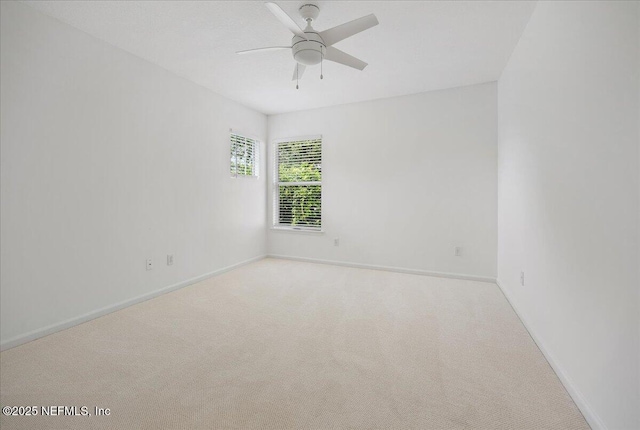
(244, 156)
(298, 190)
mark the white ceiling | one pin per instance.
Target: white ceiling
(418, 46)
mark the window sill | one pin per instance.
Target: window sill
(297, 230)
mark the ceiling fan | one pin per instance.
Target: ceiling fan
(310, 47)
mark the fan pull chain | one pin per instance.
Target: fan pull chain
(321, 61)
(297, 77)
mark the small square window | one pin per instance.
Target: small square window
(244, 156)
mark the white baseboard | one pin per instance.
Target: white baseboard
(53, 328)
(388, 268)
(587, 411)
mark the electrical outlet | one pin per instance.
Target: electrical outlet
(336, 241)
(458, 251)
(522, 278)
(170, 260)
(149, 264)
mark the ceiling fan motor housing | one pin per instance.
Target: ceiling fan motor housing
(308, 52)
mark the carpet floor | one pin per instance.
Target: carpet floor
(288, 345)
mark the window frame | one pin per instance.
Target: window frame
(276, 225)
(256, 155)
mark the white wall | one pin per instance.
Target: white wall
(568, 198)
(405, 181)
(108, 160)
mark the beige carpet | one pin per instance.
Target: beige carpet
(282, 345)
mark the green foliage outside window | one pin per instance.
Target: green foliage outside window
(299, 188)
(244, 154)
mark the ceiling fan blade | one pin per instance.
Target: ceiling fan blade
(270, 48)
(338, 56)
(348, 29)
(298, 71)
(286, 19)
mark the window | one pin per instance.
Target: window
(298, 184)
(244, 156)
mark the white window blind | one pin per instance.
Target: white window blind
(298, 184)
(244, 156)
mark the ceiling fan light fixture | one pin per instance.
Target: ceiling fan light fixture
(308, 52)
(308, 57)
